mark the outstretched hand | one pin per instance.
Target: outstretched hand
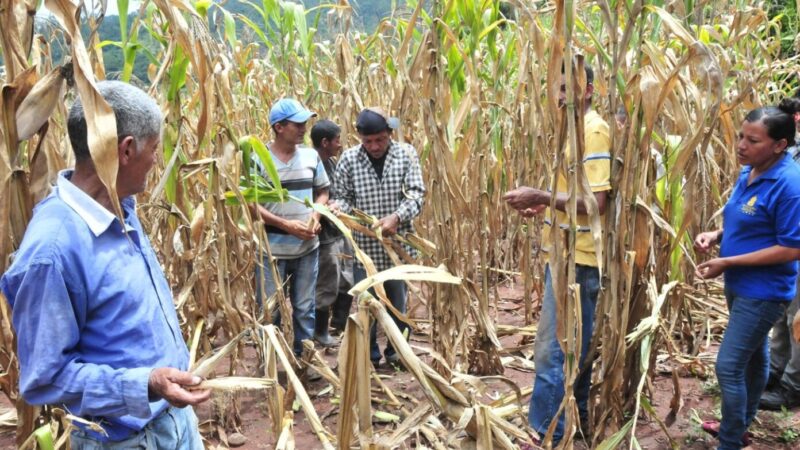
(523, 198)
(171, 384)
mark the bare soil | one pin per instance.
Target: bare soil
(700, 402)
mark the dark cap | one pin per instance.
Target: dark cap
(375, 120)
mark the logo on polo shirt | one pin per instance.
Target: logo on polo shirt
(749, 208)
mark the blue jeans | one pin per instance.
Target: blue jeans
(548, 386)
(396, 291)
(743, 363)
(175, 428)
(300, 288)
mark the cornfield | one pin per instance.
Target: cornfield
(475, 85)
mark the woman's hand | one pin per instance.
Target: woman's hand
(712, 268)
(704, 241)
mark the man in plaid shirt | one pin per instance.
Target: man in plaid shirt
(382, 178)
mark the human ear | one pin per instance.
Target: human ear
(589, 90)
(126, 148)
(782, 144)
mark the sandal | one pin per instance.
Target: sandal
(712, 427)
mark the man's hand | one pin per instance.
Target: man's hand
(526, 197)
(298, 229)
(704, 241)
(333, 205)
(530, 212)
(711, 269)
(314, 224)
(389, 224)
(170, 384)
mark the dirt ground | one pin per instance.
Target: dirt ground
(700, 402)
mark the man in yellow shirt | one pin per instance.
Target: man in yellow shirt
(548, 387)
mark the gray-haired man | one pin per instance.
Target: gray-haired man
(97, 332)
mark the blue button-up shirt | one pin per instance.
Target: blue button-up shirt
(93, 312)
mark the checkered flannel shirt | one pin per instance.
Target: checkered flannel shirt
(400, 191)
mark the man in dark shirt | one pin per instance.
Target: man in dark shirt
(335, 254)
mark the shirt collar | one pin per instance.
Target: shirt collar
(94, 214)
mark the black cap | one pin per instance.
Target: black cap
(374, 120)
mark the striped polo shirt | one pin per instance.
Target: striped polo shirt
(300, 176)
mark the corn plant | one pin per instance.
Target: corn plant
(474, 83)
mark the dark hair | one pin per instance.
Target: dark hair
(587, 68)
(324, 129)
(778, 120)
(282, 123)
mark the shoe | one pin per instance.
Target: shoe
(312, 374)
(393, 361)
(773, 381)
(779, 398)
(712, 427)
(325, 340)
(321, 335)
(585, 430)
(339, 312)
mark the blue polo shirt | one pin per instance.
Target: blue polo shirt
(758, 216)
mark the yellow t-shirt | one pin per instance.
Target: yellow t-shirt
(597, 166)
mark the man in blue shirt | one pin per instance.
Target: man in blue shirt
(97, 331)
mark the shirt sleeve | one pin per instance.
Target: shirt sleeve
(787, 222)
(597, 159)
(46, 319)
(344, 189)
(413, 189)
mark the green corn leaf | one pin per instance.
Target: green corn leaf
(300, 25)
(201, 6)
(44, 437)
(230, 27)
(177, 74)
(385, 417)
(253, 143)
(129, 58)
(615, 441)
(255, 195)
(122, 7)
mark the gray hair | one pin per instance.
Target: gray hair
(136, 114)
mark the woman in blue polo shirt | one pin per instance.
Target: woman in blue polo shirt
(758, 253)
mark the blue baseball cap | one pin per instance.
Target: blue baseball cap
(289, 109)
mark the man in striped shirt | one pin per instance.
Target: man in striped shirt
(548, 387)
(292, 227)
